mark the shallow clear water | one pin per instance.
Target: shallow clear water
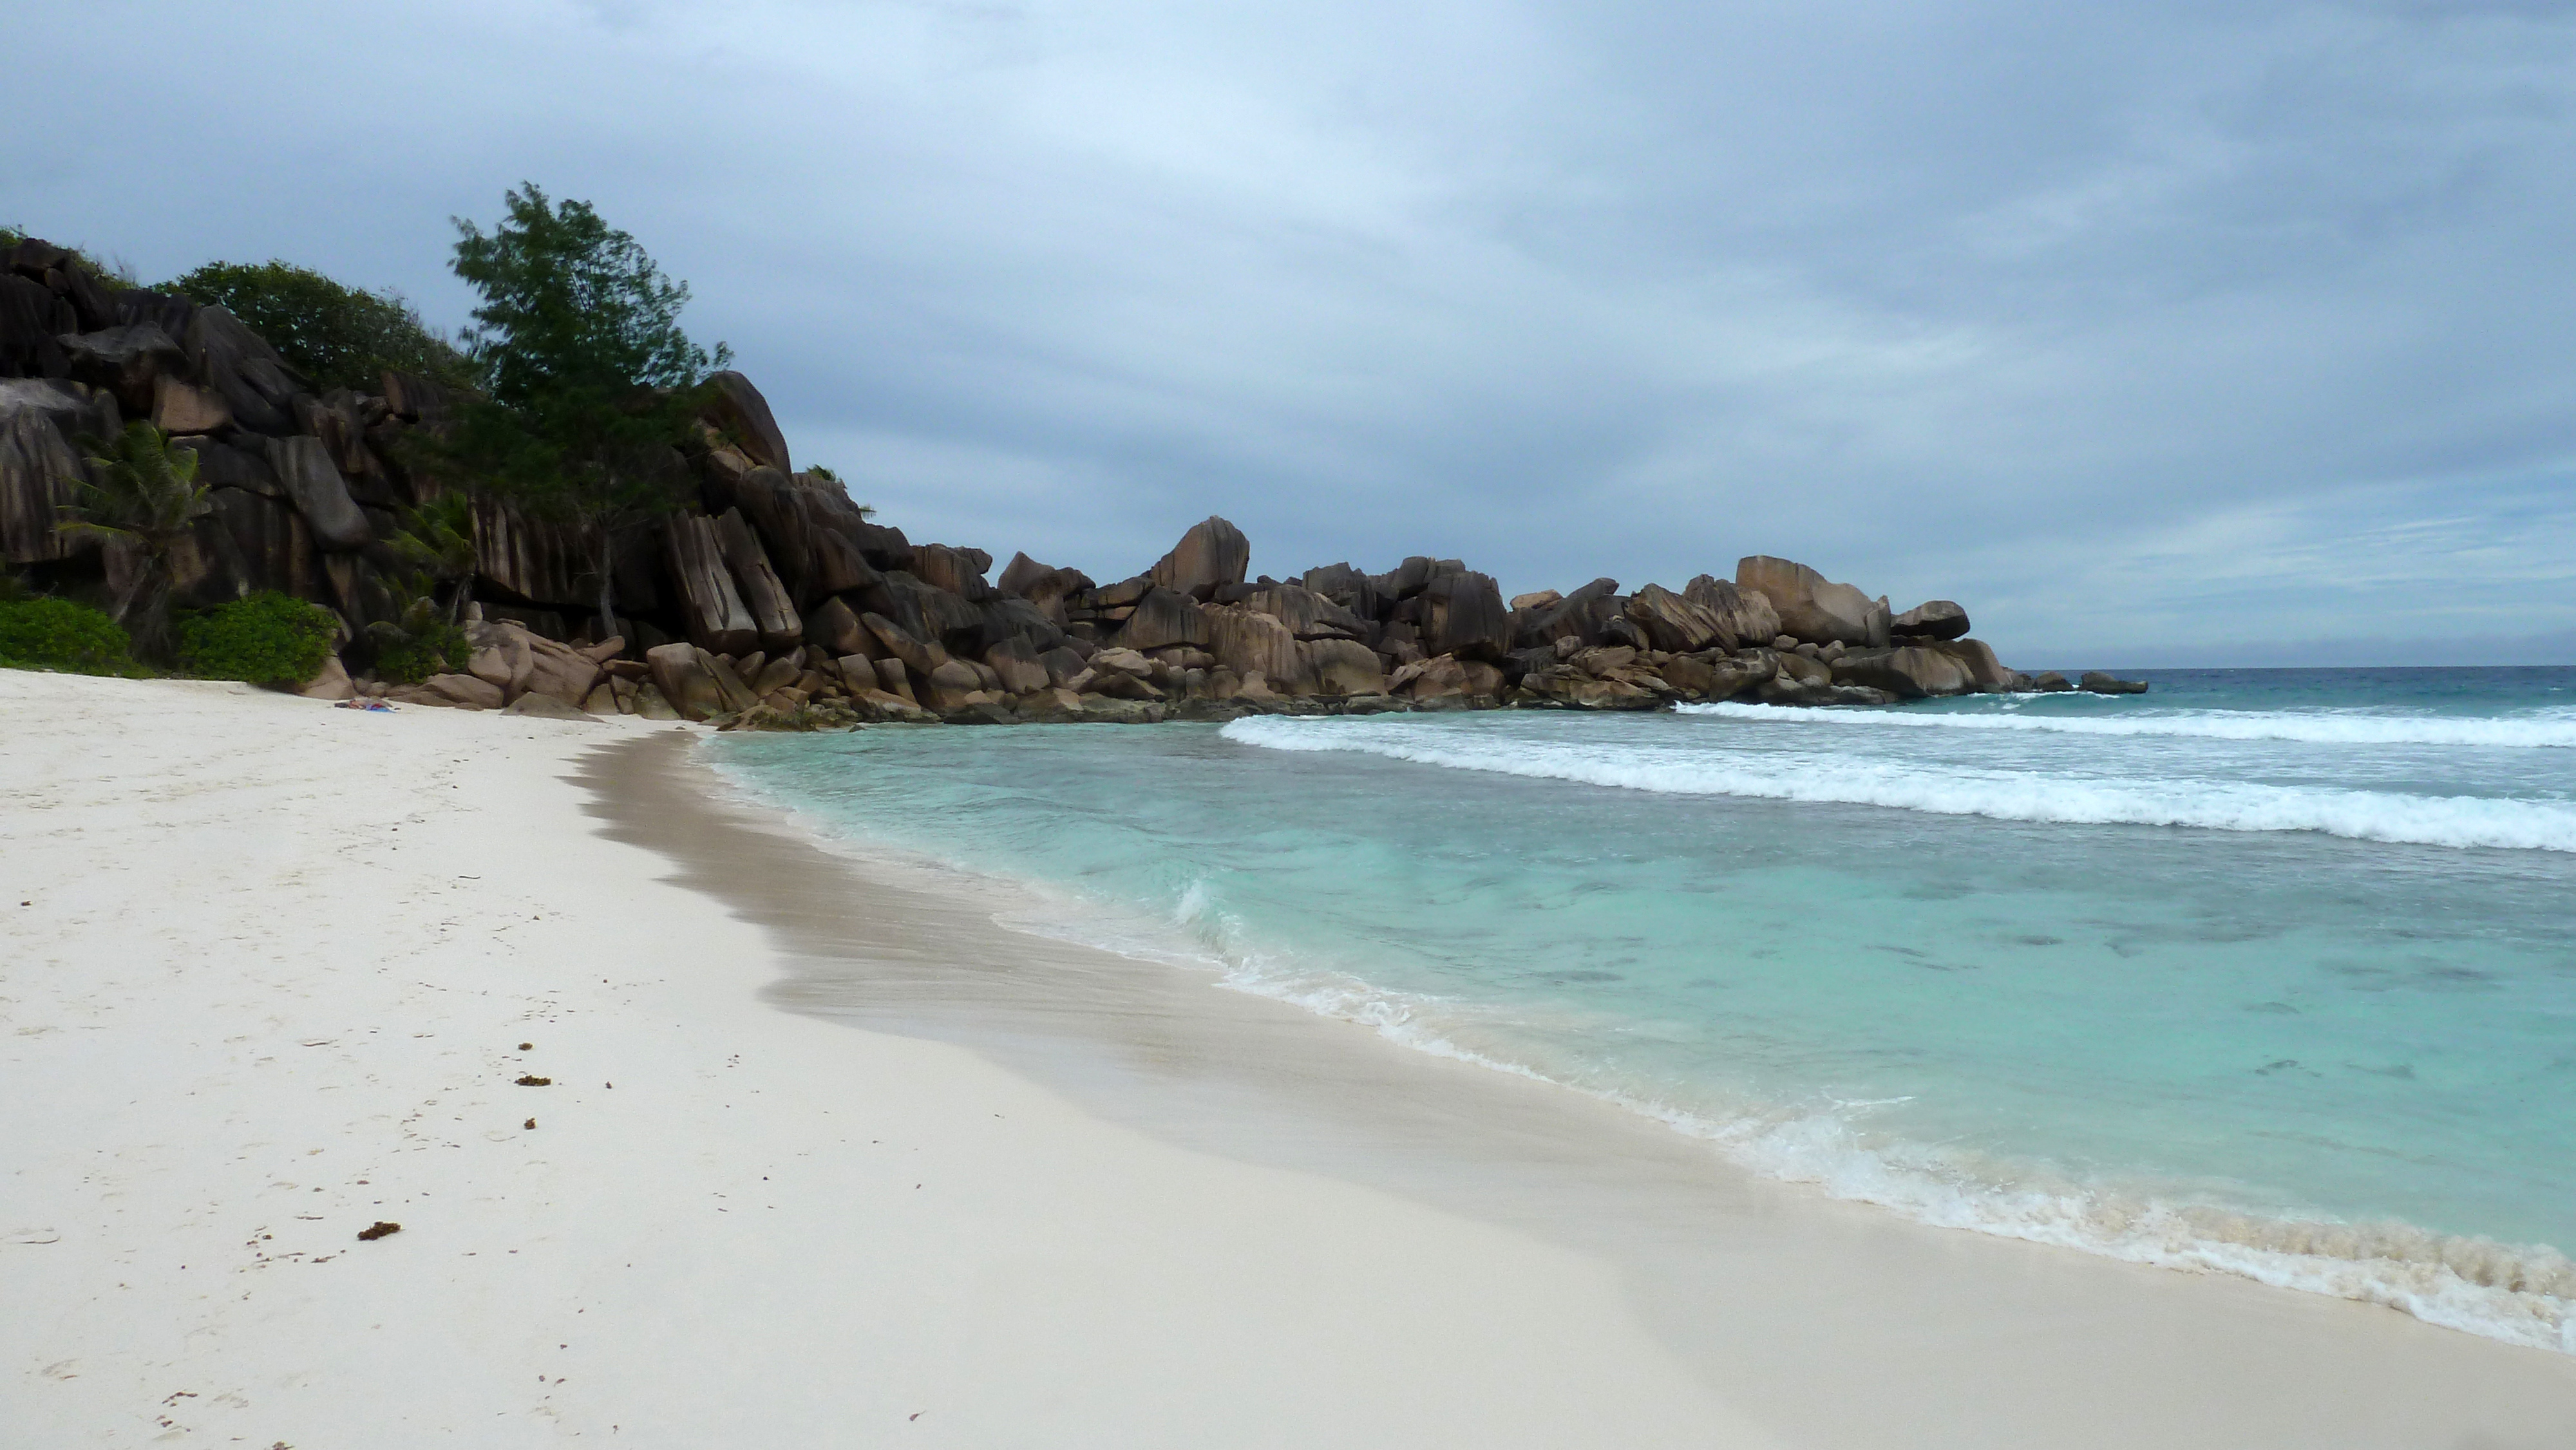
(2266, 971)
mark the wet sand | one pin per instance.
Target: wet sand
(1828, 1323)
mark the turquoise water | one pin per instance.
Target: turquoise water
(2272, 972)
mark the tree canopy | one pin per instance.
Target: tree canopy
(591, 382)
(335, 334)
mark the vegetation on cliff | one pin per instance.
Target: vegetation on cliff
(592, 383)
(337, 335)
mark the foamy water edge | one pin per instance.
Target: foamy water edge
(2457, 822)
(2518, 1294)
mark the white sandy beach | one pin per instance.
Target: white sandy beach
(265, 970)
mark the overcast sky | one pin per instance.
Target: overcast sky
(2153, 334)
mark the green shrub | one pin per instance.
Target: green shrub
(329, 331)
(264, 639)
(56, 634)
(437, 648)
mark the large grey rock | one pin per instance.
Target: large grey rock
(550, 561)
(1008, 617)
(464, 691)
(1932, 619)
(1746, 613)
(331, 682)
(1350, 588)
(895, 642)
(236, 362)
(953, 686)
(1250, 643)
(738, 408)
(545, 707)
(1987, 673)
(1577, 616)
(126, 361)
(1344, 667)
(40, 471)
(32, 321)
(416, 399)
(270, 541)
(686, 685)
(314, 485)
(1675, 624)
(2101, 684)
(1020, 668)
(1307, 614)
(179, 407)
(1812, 608)
(929, 613)
(712, 613)
(835, 627)
(1463, 615)
(1908, 673)
(815, 535)
(764, 594)
(1211, 554)
(1041, 586)
(1163, 618)
(959, 571)
(1440, 677)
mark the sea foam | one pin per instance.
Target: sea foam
(2554, 730)
(2396, 818)
(2519, 1294)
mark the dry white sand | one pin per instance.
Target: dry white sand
(264, 971)
(268, 984)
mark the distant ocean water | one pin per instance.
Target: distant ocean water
(2271, 972)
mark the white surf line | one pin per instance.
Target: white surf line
(2459, 822)
(2548, 733)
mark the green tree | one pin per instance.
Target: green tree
(143, 497)
(333, 333)
(593, 385)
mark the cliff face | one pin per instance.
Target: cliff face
(772, 589)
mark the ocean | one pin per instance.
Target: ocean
(2268, 972)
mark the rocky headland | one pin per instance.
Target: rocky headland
(772, 599)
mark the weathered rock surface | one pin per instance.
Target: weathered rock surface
(1345, 667)
(713, 615)
(1676, 624)
(1909, 673)
(796, 609)
(745, 417)
(545, 707)
(1164, 617)
(1463, 615)
(764, 595)
(313, 482)
(1212, 553)
(1932, 619)
(1812, 608)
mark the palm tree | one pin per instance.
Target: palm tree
(142, 496)
(438, 536)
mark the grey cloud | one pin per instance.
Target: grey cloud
(2165, 328)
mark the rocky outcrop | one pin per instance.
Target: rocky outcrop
(1211, 555)
(1932, 619)
(1812, 608)
(1675, 624)
(1910, 673)
(772, 597)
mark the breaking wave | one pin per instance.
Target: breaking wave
(2452, 821)
(2553, 731)
(2520, 1294)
